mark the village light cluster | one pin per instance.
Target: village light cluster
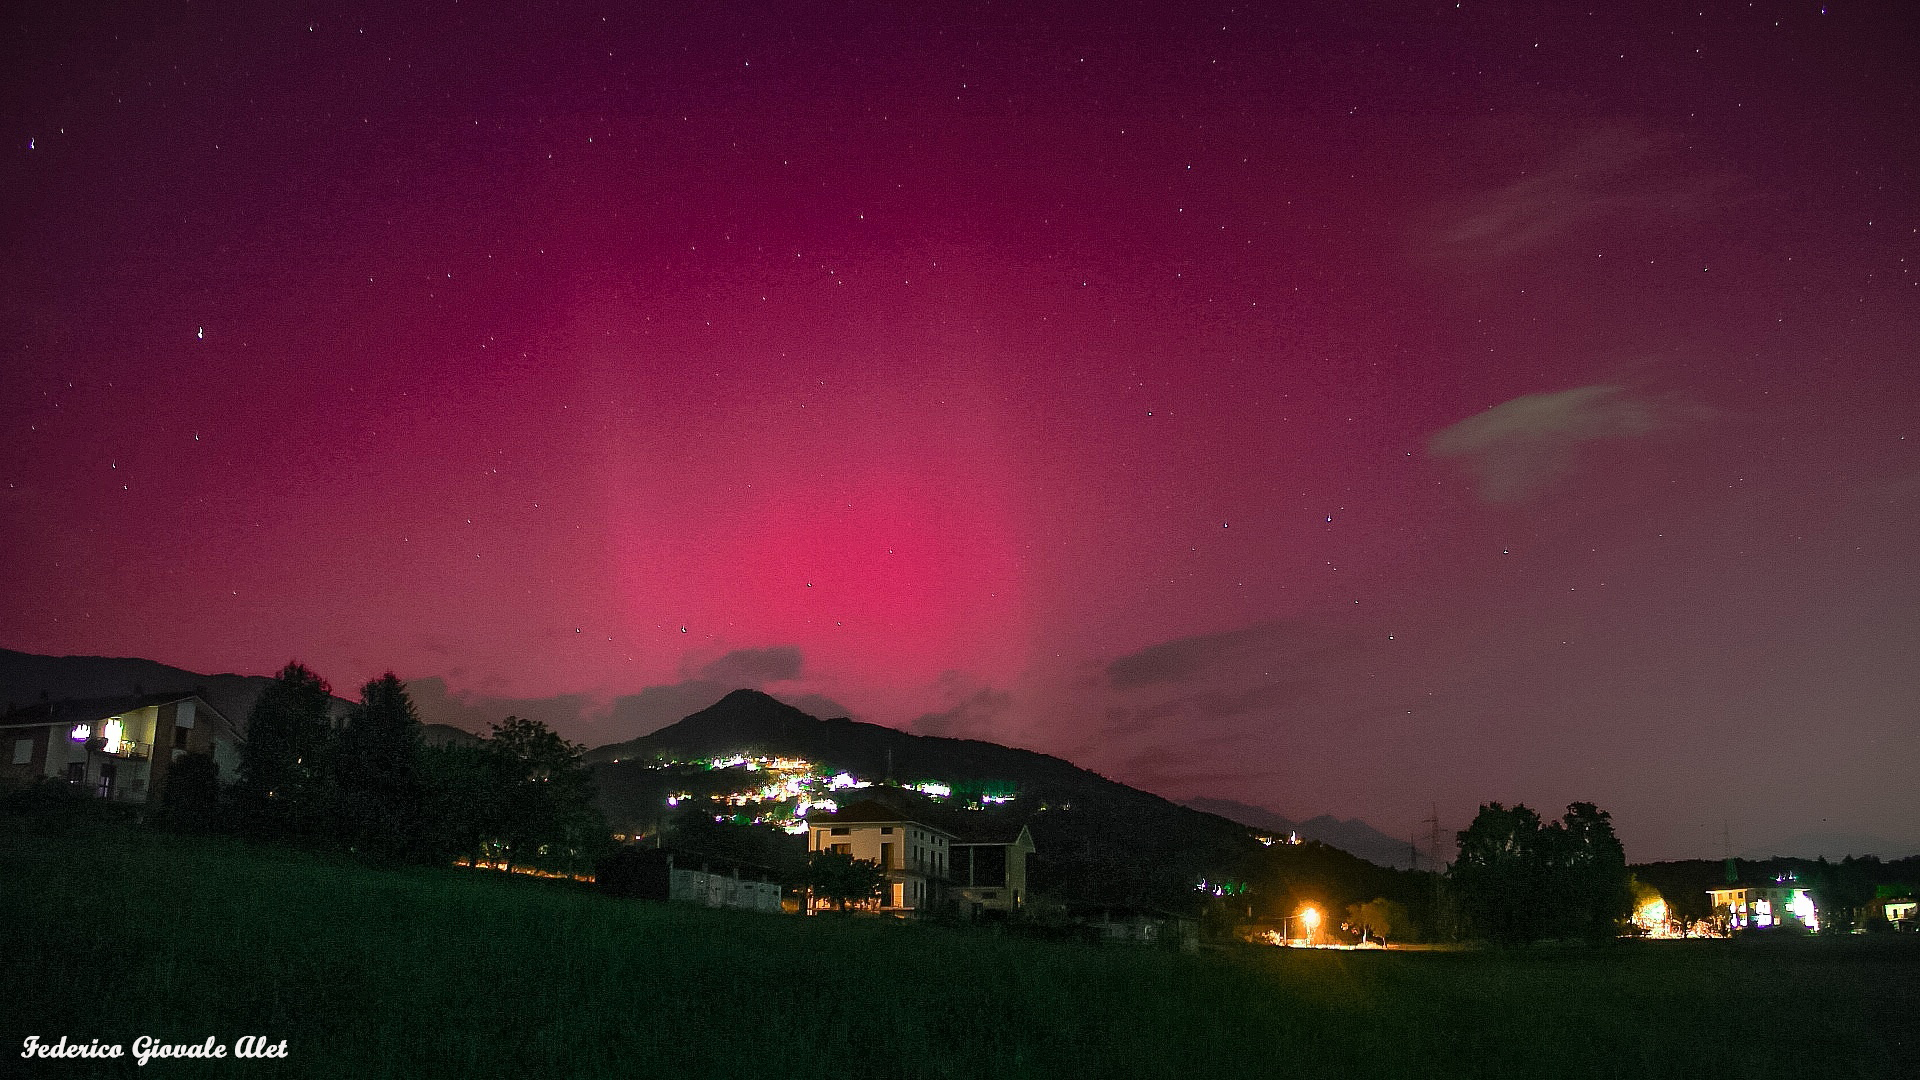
(797, 787)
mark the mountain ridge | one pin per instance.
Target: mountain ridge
(1350, 834)
(1099, 840)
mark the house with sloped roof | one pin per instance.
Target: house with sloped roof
(118, 748)
(1784, 904)
(912, 854)
(989, 868)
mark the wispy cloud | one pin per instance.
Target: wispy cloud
(628, 716)
(1611, 169)
(1263, 645)
(439, 703)
(1517, 447)
(1174, 710)
(971, 718)
(754, 667)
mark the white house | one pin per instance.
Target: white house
(118, 748)
(913, 856)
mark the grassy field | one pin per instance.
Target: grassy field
(114, 933)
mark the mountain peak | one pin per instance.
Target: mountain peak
(746, 698)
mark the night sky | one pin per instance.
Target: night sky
(1336, 407)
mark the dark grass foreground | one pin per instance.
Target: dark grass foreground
(112, 934)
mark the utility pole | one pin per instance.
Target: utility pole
(1439, 866)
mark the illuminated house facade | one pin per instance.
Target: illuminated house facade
(1897, 905)
(912, 855)
(990, 872)
(116, 748)
(1782, 905)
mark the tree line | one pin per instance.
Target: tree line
(1519, 879)
(370, 785)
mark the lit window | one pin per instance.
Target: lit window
(1802, 907)
(82, 732)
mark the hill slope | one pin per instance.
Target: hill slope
(28, 679)
(1099, 841)
(1351, 835)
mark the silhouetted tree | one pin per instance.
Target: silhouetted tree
(1499, 876)
(377, 772)
(693, 830)
(1379, 918)
(1518, 880)
(193, 785)
(1593, 892)
(464, 793)
(840, 879)
(548, 809)
(1840, 890)
(284, 788)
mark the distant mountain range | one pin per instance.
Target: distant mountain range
(1353, 835)
(1116, 830)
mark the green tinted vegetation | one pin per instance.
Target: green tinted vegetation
(113, 932)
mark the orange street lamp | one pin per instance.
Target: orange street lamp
(1308, 917)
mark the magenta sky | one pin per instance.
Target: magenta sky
(1334, 411)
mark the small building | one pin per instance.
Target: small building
(681, 877)
(989, 870)
(1897, 905)
(913, 856)
(118, 748)
(1131, 925)
(1780, 905)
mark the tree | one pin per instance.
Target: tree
(1589, 870)
(1498, 875)
(840, 879)
(284, 788)
(464, 803)
(1378, 919)
(193, 786)
(1518, 880)
(547, 796)
(377, 772)
(1840, 890)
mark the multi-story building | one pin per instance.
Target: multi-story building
(118, 748)
(1783, 904)
(990, 869)
(914, 857)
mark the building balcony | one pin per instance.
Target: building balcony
(131, 751)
